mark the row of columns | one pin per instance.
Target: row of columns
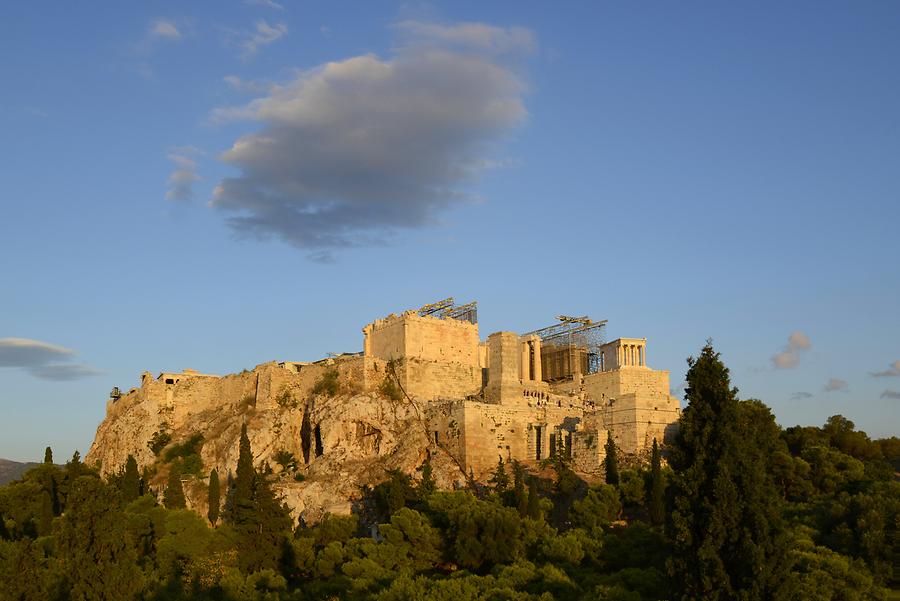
(632, 355)
(530, 366)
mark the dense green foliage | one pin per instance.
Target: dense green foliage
(726, 525)
(753, 512)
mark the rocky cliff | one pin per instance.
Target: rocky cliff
(320, 435)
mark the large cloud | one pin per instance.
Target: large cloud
(42, 359)
(789, 357)
(353, 150)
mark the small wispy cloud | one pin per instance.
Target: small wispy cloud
(181, 180)
(835, 385)
(890, 394)
(892, 372)
(42, 359)
(245, 85)
(325, 30)
(262, 35)
(265, 4)
(789, 357)
(799, 396)
(163, 28)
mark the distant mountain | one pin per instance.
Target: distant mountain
(11, 470)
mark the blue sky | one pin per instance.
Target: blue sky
(216, 185)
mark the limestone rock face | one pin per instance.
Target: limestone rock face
(341, 439)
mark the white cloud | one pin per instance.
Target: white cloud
(41, 359)
(25, 352)
(890, 394)
(835, 385)
(799, 396)
(789, 357)
(353, 150)
(181, 180)
(162, 28)
(262, 35)
(892, 372)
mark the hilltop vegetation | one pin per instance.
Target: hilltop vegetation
(746, 510)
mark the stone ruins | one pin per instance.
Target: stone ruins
(512, 396)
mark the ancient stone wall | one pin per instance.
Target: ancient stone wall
(636, 420)
(434, 358)
(478, 434)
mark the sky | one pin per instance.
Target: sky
(214, 185)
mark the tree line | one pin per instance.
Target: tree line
(739, 509)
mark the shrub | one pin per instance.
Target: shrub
(328, 384)
(285, 399)
(390, 389)
(191, 446)
(248, 402)
(286, 460)
(160, 439)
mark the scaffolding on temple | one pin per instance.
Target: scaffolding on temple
(448, 309)
(570, 346)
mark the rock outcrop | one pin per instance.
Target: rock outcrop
(323, 439)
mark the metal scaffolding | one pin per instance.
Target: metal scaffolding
(448, 309)
(570, 346)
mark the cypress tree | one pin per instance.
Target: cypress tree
(214, 498)
(257, 515)
(44, 519)
(174, 498)
(534, 501)
(48, 455)
(131, 481)
(520, 498)
(242, 496)
(611, 462)
(657, 488)
(427, 485)
(500, 479)
(728, 540)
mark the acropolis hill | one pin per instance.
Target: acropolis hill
(425, 384)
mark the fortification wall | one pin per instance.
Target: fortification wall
(434, 358)
(479, 434)
(603, 385)
(635, 421)
(437, 379)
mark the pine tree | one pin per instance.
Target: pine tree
(131, 481)
(657, 488)
(611, 462)
(174, 498)
(728, 540)
(48, 455)
(500, 479)
(214, 498)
